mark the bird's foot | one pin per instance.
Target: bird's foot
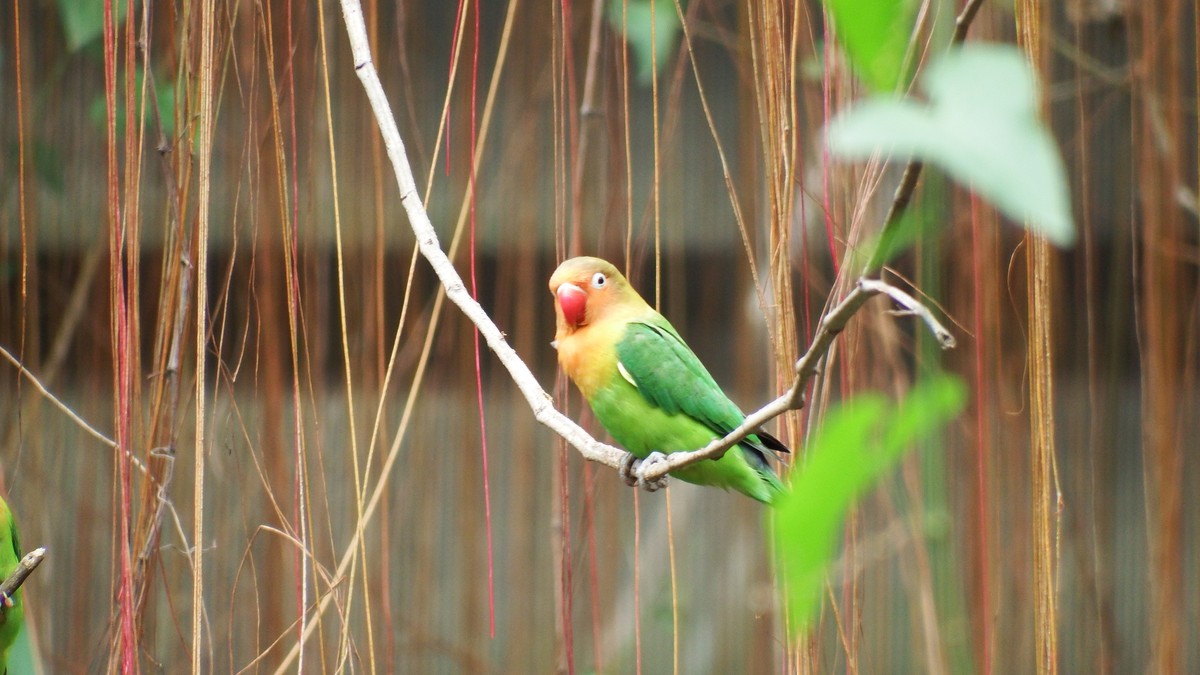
(6, 601)
(651, 460)
(626, 470)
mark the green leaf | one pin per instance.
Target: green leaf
(642, 34)
(164, 92)
(859, 442)
(83, 20)
(981, 127)
(874, 34)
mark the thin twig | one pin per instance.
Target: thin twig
(83, 424)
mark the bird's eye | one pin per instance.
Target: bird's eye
(599, 280)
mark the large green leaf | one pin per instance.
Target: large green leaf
(857, 445)
(981, 126)
(83, 20)
(874, 34)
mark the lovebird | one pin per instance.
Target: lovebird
(12, 613)
(646, 386)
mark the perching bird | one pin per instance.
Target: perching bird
(645, 385)
(12, 614)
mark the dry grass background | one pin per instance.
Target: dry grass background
(1052, 529)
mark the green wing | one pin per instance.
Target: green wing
(669, 376)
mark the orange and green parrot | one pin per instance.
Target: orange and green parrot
(12, 611)
(645, 385)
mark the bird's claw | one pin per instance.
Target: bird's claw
(632, 470)
(626, 470)
(6, 601)
(651, 485)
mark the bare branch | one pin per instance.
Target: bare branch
(83, 424)
(539, 400)
(833, 323)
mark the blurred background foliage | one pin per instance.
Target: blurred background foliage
(1048, 527)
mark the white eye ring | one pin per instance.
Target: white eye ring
(599, 280)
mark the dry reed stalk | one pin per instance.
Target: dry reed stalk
(123, 311)
(1047, 497)
(1158, 128)
(170, 344)
(351, 412)
(774, 42)
(207, 124)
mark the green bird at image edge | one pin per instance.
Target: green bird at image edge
(646, 386)
(12, 613)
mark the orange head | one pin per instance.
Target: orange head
(588, 290)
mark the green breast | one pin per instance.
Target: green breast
(642, 428)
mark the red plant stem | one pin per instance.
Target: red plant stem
(121, 347)
(487, 495)
(567, 579)
(827, 112)
(589, 509)
(572, 119)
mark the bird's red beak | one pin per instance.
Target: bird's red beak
(572, 300)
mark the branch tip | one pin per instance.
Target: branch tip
(911, 307)
(24, 568)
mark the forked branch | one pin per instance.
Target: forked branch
(833, 323)
(835, 320)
